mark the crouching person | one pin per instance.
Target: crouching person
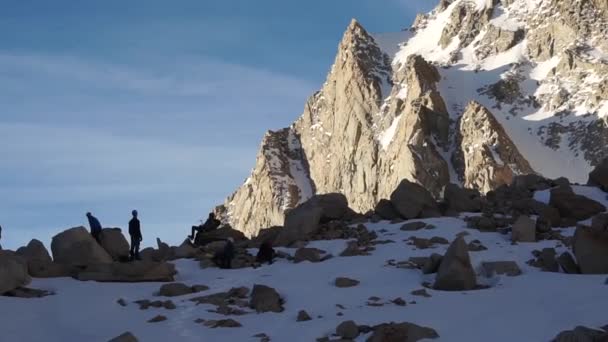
(266, 253)
(223, 258)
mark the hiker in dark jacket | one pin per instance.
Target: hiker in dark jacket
(135, 233)
(266, 253)
(95, 226)
(223, 258)
(0, 237)
(210, 225)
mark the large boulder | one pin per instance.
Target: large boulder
(412, 200)
(265, 299)
(115, 243)
(39, 262)
(401, 332)
(386, 210)
(303, 221)
(13, 272)
(573, 206)
(456, 272)
(138, 271)
(77, 247)
(599, 176)
(185, 251)
(590, 247)
(462, 200)
(524, 230)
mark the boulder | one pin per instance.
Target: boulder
(302, 222)
(265, 299)
(117, 246)
(508, 268)
(138, 271)
(303, 316)
(569, 266)
(13, 272)
(581, 334)
(343, 282)
(462, 200)
(599, 176)
(35, 250)
(39, 262)
(308, 254)
(185, 251)
(77, 247)
(126, 337)
(412, 226)
(456, 272)
(531, 182)
(174, 290)
(571, 205)
(590, 247)
(412, 200)
(547, 261)
(432, 264)
(386, 210)
(401, 332)
(221, 234)
(348, 330)
(524, 230)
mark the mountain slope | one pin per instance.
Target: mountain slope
(395, 105)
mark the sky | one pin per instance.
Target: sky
(109, 106)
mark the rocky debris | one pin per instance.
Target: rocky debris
(303, 221)
(422, 243)
(402, 332)
(421, 293)
(113, 241)
(495, 159)
(571, 205)
(222, 323)
(13, 272)
(348, 330)
(524, 230)
(599, 176)
(590, 247)
(569, 266)
(308, 254)
(487, 223)
(412, 200)
(413, 226)
(456, 272)
(179, 289)
(265, 299)
(156, 319)
(137, 271)
(582, 334)
(303, 316)
(476, 246)
(145, 304)
(386, 210)
(432, 264)
(508, 268)
(24, 292)
(126, 337)
(353, 248)
(77, 247)
(343, 282)
(462, 200)
(545, 260)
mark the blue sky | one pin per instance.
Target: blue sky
(107, 106)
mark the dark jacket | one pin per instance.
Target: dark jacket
(94, 224)
(210, 225)
(134, 228)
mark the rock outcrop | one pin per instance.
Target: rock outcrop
(115, 243)
(77, 247)
(456, 272)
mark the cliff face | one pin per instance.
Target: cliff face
(475, 93)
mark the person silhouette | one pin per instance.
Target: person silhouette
(136, 237)
(95, 226)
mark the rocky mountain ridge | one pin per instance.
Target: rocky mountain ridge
(475, 93)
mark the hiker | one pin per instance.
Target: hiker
(135, 233)
(210, 225)
(223, 258)
(266, 253)
(95, 226)
(0, 237)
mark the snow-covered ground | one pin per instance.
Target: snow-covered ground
(532, 307)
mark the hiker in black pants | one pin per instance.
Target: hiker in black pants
(223, 258)
(210, 225)
(95, 226)
(0, 237)
(135, 232)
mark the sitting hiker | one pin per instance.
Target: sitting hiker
(266, 253)
(223, 258)
(95, 226)
(210, 225)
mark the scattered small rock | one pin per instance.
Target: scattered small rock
(347, 330)
(303, 316)
(413, 226)
(421, 293)
(157, 319)
(222, 323)
(121, 302)
(126, 337)
(399, 301)
(343, 282)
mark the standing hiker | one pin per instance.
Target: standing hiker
(223, 258)
(0, 237)
(135, 233)
(95, 226)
